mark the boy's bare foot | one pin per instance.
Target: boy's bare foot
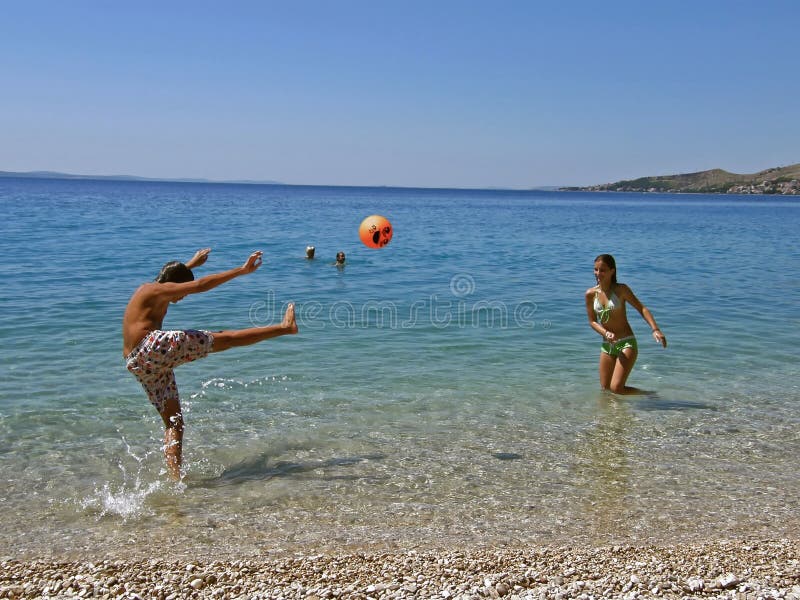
(289, 322)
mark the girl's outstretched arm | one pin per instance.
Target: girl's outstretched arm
(631, 298)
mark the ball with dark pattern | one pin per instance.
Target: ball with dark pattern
(375, 231)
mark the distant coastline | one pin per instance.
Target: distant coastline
(777, 180)
(57, 175)
(774, 181)
(136, 178)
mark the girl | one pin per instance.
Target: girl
(605, 307)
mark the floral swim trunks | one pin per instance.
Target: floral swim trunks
(153, 360)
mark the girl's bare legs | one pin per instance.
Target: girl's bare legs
(607, 364)
(614, 371)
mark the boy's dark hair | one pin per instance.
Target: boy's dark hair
(175, 272)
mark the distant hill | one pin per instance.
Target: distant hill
(778, 180)
(56, 175)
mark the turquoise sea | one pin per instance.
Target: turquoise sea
(442, 390)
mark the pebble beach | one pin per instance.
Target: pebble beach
(721, 569)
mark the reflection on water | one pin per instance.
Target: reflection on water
(260, 468)
(507, 456)
(604, 465)
(653, 401)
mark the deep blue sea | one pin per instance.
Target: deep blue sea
(443, 390)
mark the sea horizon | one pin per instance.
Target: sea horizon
(57, 175)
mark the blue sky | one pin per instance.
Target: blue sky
(410, 93)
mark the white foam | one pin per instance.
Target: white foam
(126, 503)
(128, 499)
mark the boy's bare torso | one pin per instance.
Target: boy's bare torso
(145, 313)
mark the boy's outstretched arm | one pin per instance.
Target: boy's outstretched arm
(174, 291)
(209, 282)
(199, 258)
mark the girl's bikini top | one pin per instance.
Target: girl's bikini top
(603, 313)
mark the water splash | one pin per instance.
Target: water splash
(127, 499)
(122, 502)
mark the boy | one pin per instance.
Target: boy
(151, 353)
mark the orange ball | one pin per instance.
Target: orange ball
(375, 231)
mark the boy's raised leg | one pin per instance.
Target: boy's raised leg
(223, 340)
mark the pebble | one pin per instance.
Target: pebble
(728, 582)
(197, 584)
(695, 584)
(755, 569)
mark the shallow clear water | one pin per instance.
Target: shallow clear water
(442, 390)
